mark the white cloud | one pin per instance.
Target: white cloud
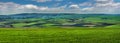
(87, 9)
(85, 4)
(30, 6)
(42, 0)
(104, 1)
(13, 8)
(59, 0)
(74, 6)
(46, 0)
(103, 6)
(8, 7)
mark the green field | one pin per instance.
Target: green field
(60, 28)
(60, 35)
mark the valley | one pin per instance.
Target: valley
(59, 20)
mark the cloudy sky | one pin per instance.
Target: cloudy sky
(59, 6)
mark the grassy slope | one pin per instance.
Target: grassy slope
(61, 35)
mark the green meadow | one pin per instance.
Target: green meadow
(60, 35)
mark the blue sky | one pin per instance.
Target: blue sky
(59, 6)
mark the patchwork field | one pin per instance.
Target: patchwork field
(28, 20)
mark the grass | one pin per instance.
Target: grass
(60, 35)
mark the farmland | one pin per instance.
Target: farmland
(59, 20)
(60, 28)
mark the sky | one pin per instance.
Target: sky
(59, 6)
